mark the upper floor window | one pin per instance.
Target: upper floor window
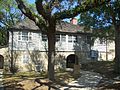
(44, 37)
(57, 37)
(75, 39)
(69, 38)
(102, 41)
(25, 36)
(72, 38)
(63, 38)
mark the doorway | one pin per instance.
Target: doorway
(71, 60)
(1, 62)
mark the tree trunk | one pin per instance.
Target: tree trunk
(51, 52)
(117, 49)
(11, 57)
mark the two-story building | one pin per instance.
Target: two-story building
(28, 45)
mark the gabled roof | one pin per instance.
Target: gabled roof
(26, 24)
(64, 27)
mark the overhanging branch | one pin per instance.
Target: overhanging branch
(41, 10)
(32, 16)
(79, 9)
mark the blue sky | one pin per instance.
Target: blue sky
(68, 20)
(31, 1)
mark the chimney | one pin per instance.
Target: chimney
(74, 21)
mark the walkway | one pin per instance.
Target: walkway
(87, 81)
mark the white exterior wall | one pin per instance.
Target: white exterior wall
(106, 51)
(36, 44)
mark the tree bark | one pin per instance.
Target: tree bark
(117, 49)
(51, 51)
(11, 57)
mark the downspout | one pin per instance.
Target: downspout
(106, 50)
(11, 62)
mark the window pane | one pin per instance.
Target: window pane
(57, 38)
(63, 38)
(25, 33)
(74, 38)
(70, 38)
(44, 37)
(25, 36)
(30, 38)
(19, 37)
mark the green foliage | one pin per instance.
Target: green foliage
(9, 13)
(9, 16)
(99, 20)
(3, 37)
(12, 67)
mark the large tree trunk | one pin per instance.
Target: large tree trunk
(51, 52)
(117, 49)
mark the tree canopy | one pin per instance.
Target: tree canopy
(106, 19)
(48, 12)
(100, 21)
(9, 16)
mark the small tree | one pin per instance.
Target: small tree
(12, 61)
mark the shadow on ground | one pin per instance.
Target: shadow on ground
(104, 68)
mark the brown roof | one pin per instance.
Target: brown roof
(26, 24)
(62, 27)
(69, 27)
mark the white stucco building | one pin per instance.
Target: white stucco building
(29, 46)
(30, 43)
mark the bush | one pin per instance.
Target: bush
(14, 69)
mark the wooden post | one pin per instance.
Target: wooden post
(76, 70)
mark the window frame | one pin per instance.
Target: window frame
(63, 37)
(44, 38)
(24, 36)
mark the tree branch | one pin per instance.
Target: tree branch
(41, 10)
(79, 9)
(32, 16)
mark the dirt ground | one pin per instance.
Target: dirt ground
(29, 83)
(63, 78)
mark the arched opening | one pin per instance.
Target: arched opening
(71, 60)
(1, 62)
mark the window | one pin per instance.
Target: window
(19, 36)
(88, 41)
(44, 37)
(102, 41)
(72, 38)
(69, 38)
(63, 38)
(25, 36)
(30, 36)
(57, 38)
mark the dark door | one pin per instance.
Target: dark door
(71, 60)
(1, 62)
